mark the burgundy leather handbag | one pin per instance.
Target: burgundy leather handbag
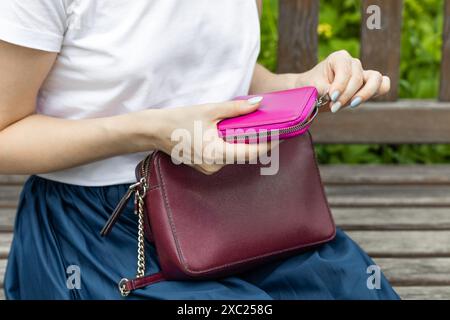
(213, 226)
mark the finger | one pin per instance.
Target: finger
(236, 108)
(385, 86)
(373, 81)
(207, 170)
(341, 66)
(241, 152)
(355, 83)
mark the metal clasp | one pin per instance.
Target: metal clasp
(123, 287)
(323, 100)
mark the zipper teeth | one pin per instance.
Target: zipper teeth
(145, 167)
(279, 132)
(270, 132)
(294, 128)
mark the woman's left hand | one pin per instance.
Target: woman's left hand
(344, 79)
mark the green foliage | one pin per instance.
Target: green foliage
(269, 35)
(421, 48)
(339, 28)
(344, 19)
(383, 154)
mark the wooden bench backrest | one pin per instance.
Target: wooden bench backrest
(380, 49)
(415, 121)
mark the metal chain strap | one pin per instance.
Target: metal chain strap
(140, 190)
(139, 200)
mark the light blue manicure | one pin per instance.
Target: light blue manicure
(335, 95)
(356, 102)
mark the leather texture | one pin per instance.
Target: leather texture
(278, 111)
(214, 226)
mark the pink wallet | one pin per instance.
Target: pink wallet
(282, 114)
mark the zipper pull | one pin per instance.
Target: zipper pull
(323, 100)
(119, 208)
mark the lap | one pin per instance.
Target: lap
(58, 227)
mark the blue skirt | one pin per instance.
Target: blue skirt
(57, 253)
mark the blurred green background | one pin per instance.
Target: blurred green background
(339, 28)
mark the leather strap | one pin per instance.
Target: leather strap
(116, 214)
(127, 286)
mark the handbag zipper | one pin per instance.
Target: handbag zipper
(145, 168)
(323, 100)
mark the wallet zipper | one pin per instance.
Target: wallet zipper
(323, 100)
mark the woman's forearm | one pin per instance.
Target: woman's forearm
(266, 81)
(41, 144)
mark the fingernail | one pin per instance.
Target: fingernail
(336, 107)
(335, 95)
(255, 100)
(356, 102)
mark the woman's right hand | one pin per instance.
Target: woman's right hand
(194, 130)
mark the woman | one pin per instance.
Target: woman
(88, 88)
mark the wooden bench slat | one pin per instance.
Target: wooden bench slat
(394, 174)
(416, 272)
(298, 39)
(380, 48)
(349, 218)
(13, 179)
(7, 217)
(2, 272)
(376, 243)
(424, 293)
(432, 195)
(424, 272)
(392, 218)
(9, 195)
(5, 244)
(387, 122)
(385, 174)
(413, 244)
(388, 196)
(444, 92)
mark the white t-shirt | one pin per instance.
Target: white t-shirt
(120, 56)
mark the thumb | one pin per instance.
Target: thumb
(236, 108)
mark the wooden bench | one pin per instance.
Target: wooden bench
(399, 214)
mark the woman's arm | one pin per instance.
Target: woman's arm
(266, 81)
(340, 75)
(31, 143)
